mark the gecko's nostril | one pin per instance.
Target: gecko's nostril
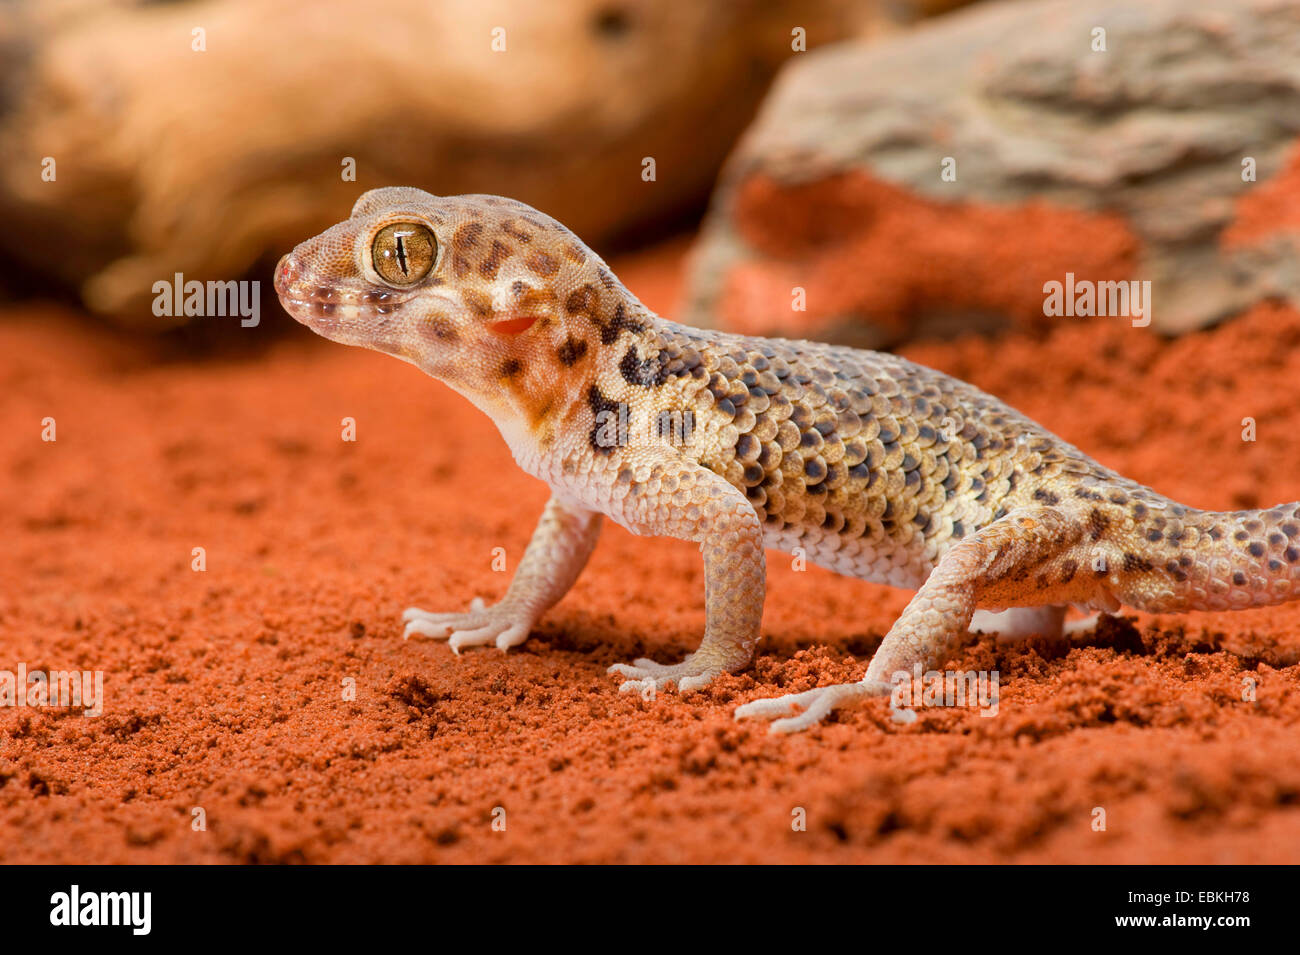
(282, 269)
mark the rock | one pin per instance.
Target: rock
(213, 163)
(1122, 164)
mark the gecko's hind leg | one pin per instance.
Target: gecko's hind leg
(1012, 561)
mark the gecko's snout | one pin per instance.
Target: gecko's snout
(281, 274)
(298, 296)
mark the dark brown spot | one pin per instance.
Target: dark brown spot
(571, 351)
(580, 300)
(602, 408)
(543, 264)
(511, 367)
(512, 230)
(1068, 569)
(645, 372)
(499, 253)
(467, 236)
(440, 328)
(610, 330)
(1132, 562)
(480, 304)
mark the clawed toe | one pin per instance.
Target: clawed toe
(645, 674)
(799, 711)
(481, 625)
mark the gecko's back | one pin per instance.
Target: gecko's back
(872, 463)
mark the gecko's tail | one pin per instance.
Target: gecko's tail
(1221, 560)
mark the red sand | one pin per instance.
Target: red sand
(862, 246)
(224, 687)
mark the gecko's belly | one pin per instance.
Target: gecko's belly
(882, 561)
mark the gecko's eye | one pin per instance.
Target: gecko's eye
(404, 252)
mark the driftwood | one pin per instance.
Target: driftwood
(212, 163)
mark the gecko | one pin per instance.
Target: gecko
(864, 462)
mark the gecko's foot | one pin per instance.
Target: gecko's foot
(646, 674)
(811, 706)
(500, 624)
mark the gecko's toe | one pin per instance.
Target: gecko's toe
(476, 637)
(624, 669)
(689, 684)
(512, 636)
(501, 625)
(816, 705)
(425, 628)
(415, 613)
(687, 676)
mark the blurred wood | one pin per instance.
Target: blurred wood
(213, 163)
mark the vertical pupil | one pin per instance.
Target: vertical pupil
(401, 255)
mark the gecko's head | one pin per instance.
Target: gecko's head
(483, 292)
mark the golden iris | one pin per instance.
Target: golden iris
(403, 252)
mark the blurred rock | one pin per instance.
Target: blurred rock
(1122, 164)
(213, 163)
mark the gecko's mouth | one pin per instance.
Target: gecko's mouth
(330, 308)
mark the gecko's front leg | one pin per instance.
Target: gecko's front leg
(677, 498)
(559, 548)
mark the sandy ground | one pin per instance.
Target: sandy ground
(225, 689)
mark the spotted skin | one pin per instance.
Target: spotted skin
(869, 464)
